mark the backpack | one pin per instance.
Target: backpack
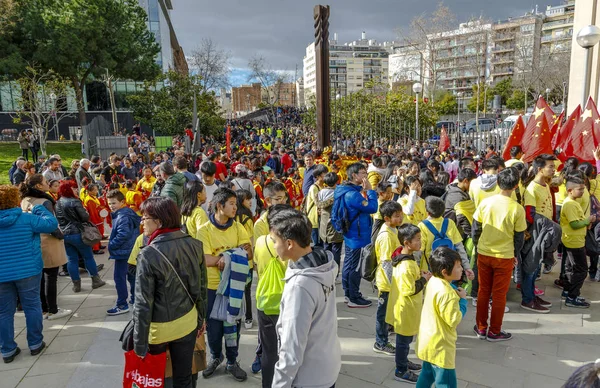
(339, 216)
(367, 266)
(440, 238)
(270, 285)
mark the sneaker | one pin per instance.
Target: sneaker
(387, 349)
(481, 334)
(256, 365)
(565, 295)
(502, 336)
(346, 299)
(548, 267)
(236, 371)
(542, 302)
(558, 283)
(577, 302)
(538, 292)
(407, 377)
(413, 366)
(44, 315)
(38, 350)
(338, 280)
(61, 313)
(118, 310)
(474, 302)
(359, 303)
(248, 324)
(536, 308)
(9, 359)
(211, 367)
(63, 273)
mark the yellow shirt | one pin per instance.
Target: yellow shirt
(249, 226)
(477, 194)
(377, 215)
(427, 237)
(385, 244)
(585, 203)
(560, 195)
(261, 227)
(215, 241)
(419, 213)
(595, 186)
(511, 162)
(301, 171)
(195, 221)
(404, 306)
(540, 197)
(311, 205)
(146, 184)
(572, 211)
(436, 341)
(500, 217)
(137, 247)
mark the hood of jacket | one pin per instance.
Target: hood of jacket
(325, 194)
(323, 274)
(127, 213)
(401, 257)
(488, 182)
(344, 189)
(9, 216)
(455, 195)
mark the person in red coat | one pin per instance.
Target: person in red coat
(286, 160)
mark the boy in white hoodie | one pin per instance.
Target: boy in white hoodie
(309, 348)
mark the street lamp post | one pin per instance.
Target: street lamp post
(547, 94)
(417, 88)
(53, 98)
(587, 38)
(563, 96)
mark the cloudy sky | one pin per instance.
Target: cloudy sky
(280, 30)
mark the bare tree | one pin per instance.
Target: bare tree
(42, 102)
(272, 81)
(426, 36)
(212, 64)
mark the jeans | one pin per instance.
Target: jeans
(443, 378)
(120, 277)
(131, 269)
(494, 282)
(268, 340)
(528, 286)
(28, 291)
(575, 270)
(48, 290)
(25, 153)
(381, 328)
(402, 349)
(336, 249)
(182, 353)
(314, 236)
(350, 275)
(248, 296)
(215, 333)
(75, 248)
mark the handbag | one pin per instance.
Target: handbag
(90, 235)
(144, 372)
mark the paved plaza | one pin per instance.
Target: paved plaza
(83, 350)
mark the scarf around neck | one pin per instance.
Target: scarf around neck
(227, 225)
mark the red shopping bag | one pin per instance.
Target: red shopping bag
(144, 373)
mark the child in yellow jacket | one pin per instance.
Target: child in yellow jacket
(443, 309)
(406, 299)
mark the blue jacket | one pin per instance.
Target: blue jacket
(125, 229)
(21, 254)
(359, 213)
(309, 179)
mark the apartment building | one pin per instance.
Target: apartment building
(245, 98)
(557, 30)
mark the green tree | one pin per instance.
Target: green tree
(504, 89)
(166, 105)
(79, 40)
(516, 100)
(484, 101)
(446, 104)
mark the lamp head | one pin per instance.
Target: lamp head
(417, 87)
(588, 36)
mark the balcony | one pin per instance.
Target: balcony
(503, 37)
(499, 61)
(555, 38)
(502, 71)
(558, 23)
(503, 49)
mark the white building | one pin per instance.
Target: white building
(351, 66)
(157, 24)
(300, 92)
(405, 65)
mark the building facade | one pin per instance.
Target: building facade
(245, 99)
(300, 92)
(353, 66)
(557, 30)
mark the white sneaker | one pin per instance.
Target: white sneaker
(61, 313)
(474, 302)
(248, 324)
(346, 299)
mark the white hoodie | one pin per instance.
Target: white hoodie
(310, 354)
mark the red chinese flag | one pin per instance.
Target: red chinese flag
(561, 137)
(444, 140)
(536, 140)
(515, 138)
(556, 124)
(585, 136)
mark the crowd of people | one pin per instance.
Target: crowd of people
(191, 232)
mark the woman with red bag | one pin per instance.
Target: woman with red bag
(170, 290)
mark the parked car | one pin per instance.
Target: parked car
(484, 125)
(449, 125)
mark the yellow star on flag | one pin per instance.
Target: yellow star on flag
(539, 124)
(597, 121)
(586, 115)
(554, 116)
(585, 133)
(538, 112)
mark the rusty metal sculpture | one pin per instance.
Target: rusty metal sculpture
(321, 18)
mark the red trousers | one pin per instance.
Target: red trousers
(494, 281)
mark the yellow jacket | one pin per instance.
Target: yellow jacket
(311, 205)
(374, 178)
(406, 298)
(441, 315)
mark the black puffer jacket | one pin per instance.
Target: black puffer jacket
(159, 295)
(70, 214)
